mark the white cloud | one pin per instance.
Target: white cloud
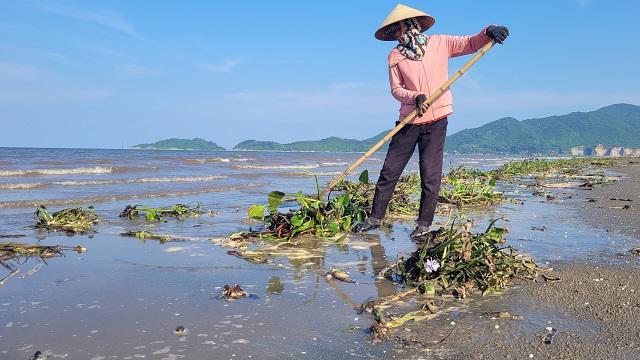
(226, 66)
(105, 18)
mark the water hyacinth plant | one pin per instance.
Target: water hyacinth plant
(463, 261)
(533, 167)
(311, 215)
(145, 235)
(474, 192)
(463, 172)
(178, 211)
(72, 220)
(405, 198)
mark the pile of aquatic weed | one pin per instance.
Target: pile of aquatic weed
(470, 192)
(458, 263)
(178, 211)
(534, 167)
(146, 235)
(463, 172)
(404, 201)
(72, 220)
(309, 215)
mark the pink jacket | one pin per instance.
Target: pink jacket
(410, 78)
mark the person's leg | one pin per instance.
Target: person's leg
(400, 150)
(431, 149)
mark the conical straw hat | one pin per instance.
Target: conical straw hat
(386, 31)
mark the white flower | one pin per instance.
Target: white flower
(431, 265)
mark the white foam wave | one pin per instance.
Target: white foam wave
(319, 174)
(119, 197)
(176, 179)
(169, 179)
(219, 160)
(268, 167)
(22, 186)
(72, 171)
(334, 163)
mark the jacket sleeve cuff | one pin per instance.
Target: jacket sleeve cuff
(484, 34)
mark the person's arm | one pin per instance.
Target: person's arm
(398, 91)
(467, 44)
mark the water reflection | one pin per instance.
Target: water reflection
(275, 286)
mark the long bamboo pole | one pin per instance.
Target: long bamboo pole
(435, 96)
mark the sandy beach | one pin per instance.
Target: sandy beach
(594, 304)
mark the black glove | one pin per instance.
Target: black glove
(497, 33)
(420, 104)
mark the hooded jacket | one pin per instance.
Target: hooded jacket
(409, 78)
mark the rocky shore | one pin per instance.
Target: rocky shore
(602, 150)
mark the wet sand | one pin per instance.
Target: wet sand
(594, 306)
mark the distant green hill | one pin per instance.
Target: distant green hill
(614, 125)
(180, 144)
(328, 144)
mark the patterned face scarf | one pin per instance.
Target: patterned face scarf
(412, 43)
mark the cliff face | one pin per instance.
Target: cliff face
(601, 150)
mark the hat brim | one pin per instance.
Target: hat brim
(388, 33)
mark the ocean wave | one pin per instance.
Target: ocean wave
(168, 179)
(22, 186)
(334, 163)
(309, 173)
(271, 167)
(120, 197)
(218, 160)
(176, 179)
(95, 170)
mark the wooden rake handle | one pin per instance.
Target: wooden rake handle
(435, 96)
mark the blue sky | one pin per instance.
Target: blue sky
(106, 73)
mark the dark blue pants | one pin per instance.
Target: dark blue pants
(430, 140)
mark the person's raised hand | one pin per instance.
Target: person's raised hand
(497, 33)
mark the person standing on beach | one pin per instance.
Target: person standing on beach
(418, 66)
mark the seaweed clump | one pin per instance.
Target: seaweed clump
(178, 211)
(474, 192)
(312, 215)
(15, 251)
(458, 263)
(534, 167)
(405, 198)
(71, 220)
(463, 261)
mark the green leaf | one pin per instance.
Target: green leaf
(364, 177)
(152, 216)
(317, 185)
(346, 222)
(492, 182)
(333, 227)
(296, 220)
(256, 212)
(275, 199)
(429, 288)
